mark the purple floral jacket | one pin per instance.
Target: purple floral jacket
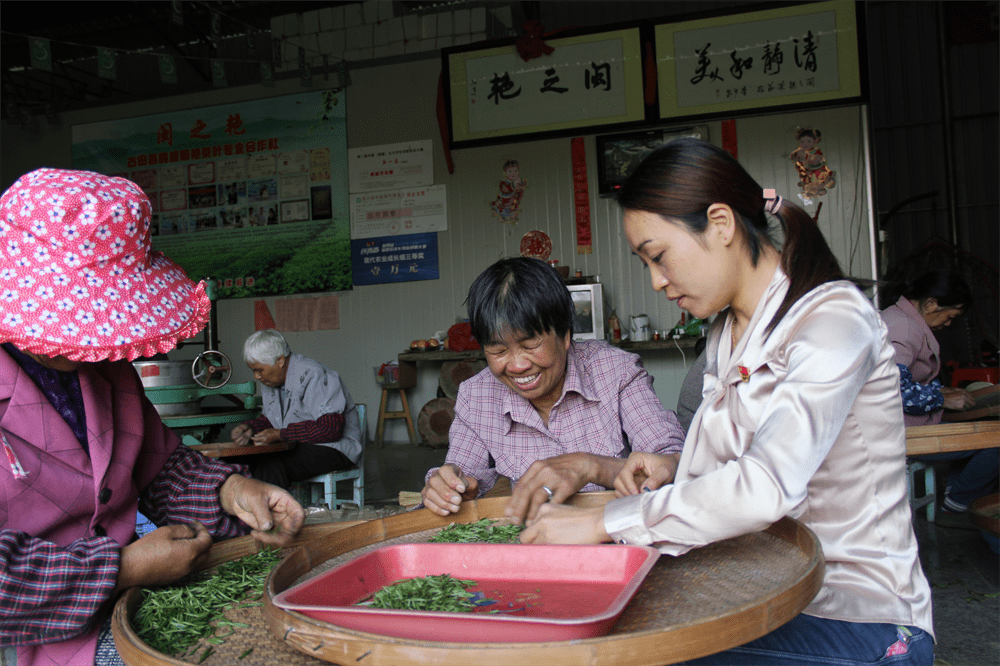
(65, 515)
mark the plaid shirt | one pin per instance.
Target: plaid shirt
(607, 408)
(327, 428)
(50, 593)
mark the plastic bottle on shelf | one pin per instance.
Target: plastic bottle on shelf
(614, 327)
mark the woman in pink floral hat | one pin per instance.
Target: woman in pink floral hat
(82, 295)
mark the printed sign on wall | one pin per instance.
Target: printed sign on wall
(251, 193)
(399, 259)
(391, 166)
(394, 212)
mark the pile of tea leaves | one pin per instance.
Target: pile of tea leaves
(172, 619)
(481, 531)
(429, 593)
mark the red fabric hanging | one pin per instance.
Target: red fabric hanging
(262, 316)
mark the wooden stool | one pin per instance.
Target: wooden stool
(403, 414)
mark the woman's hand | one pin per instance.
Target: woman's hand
(446, 489)
(645, 472)
(564, 475)
(268, 436)
(957, 399)
(558, 523)
(240, 435)
(163, 556)
(271, 512)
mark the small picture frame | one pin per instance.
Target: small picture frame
(619, 154)
(588, 311)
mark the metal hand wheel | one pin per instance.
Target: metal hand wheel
(211, 369)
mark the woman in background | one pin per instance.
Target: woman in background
(801, 415)
(926, 304)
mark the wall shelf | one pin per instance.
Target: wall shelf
(477, 354)
(658, 345)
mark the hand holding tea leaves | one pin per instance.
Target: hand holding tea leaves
(163, 556)
(271, 512)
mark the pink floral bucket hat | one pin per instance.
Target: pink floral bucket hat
(77, 276)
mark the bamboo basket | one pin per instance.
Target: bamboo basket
(135, 652)
(708, 600)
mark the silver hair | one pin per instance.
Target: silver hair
(265, 347)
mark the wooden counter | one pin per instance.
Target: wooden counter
(411, 357)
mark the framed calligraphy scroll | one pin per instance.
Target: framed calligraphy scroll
(589, 80)
(732, 65)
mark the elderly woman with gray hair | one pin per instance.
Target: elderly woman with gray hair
(303, 402)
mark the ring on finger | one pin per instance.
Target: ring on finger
(549, 492)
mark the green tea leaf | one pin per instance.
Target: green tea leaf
(481, 531)
(429, 593)
(172, 619)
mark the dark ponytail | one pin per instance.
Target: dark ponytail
(805, 257)
(683, 178)
(941, 284)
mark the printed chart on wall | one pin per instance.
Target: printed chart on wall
(251, 194)
(395, 211)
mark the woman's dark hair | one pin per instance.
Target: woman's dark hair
(520, 295)
(679, 182)
(941, 284)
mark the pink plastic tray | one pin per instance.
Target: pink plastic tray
(542, 593)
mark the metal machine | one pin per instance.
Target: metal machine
(177, 388)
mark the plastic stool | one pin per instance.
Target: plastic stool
(990, 375)
(356, 474)
(929, 496)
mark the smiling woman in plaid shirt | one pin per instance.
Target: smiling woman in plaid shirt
(82, 295)
(554, 415)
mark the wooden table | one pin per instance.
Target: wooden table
(946, 437)
(220, 450)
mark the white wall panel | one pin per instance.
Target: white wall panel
(395, 103)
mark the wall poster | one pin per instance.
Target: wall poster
(252, 194)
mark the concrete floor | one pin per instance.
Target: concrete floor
(397, 467)
(965, 587)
